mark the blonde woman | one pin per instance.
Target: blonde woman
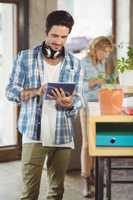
(94, 75)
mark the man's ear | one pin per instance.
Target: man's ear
(45, 32)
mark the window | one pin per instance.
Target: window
(13, 38)
(8, 49)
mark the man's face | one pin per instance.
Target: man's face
(57, 37)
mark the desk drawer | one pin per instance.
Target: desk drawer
(116, 139)
(117, 134)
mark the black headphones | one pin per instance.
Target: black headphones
(48, 52)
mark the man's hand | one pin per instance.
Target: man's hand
(30, 93)
(41, 91)
(61, 99)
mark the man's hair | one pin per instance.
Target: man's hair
(59, 17)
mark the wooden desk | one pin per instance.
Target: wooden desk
(105, 151)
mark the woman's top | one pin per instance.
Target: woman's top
(90, 72)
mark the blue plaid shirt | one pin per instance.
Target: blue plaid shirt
(27, 73)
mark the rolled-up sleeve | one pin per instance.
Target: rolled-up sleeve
(16, 80)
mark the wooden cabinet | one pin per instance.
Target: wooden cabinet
(109, 136)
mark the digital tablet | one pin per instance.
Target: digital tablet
(67, 87)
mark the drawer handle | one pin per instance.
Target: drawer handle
(113, 140)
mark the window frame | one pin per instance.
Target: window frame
(13, 152)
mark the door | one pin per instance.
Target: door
(10, 139)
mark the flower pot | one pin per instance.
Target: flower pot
(110, 101)
(126, 78)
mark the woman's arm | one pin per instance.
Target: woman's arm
(92, 83)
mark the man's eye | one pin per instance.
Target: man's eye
(64, 37)
(55, 35)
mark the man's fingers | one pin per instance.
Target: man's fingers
(62, 92)
(25, 95)
(56, 93)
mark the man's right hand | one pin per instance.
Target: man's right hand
(27, 94)
(41, 91)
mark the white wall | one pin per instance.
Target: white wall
(38, 12)
(92, 18)
(123, 22)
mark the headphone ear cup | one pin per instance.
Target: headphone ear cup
(56, 54)
(48, 52)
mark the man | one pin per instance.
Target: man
(46, 125)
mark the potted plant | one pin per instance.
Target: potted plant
(111, 96)
(124, 67)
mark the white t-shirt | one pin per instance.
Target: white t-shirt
(48, 120)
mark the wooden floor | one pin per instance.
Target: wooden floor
(10, 184)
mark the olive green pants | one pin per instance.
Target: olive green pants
(33, 156)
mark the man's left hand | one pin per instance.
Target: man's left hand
(61, 99)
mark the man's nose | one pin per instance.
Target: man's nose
(59, 41)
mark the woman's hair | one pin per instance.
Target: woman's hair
(59, 17)
(99, 43)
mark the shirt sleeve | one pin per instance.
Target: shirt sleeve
(88, 69)
(78, 100)
(16, 80)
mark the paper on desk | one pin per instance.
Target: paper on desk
(128, 102)
(93, 108)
